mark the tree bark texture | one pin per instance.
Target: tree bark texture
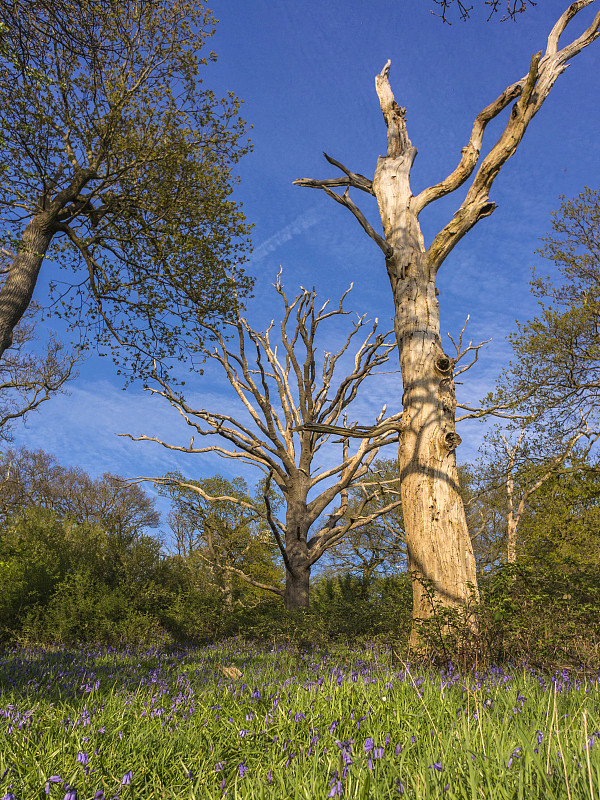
(17, 291)
(440, 555)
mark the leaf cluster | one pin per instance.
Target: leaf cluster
(109, 136)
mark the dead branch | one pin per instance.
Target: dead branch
(461, 351)
(531, 91)
(226, 568)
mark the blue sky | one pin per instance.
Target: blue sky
(306, 74)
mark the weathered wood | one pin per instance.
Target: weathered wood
(440, 556)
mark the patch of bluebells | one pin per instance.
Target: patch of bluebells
(184, 689)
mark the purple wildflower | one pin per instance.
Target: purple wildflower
(99, 795)
(399, 786)
(398, 750)
(127, 778)
(336, 785)
(369, 744)
(82, 757)
(70, 794)
(242, 768)
(437, 766)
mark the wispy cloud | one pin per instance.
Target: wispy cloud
(299, 225)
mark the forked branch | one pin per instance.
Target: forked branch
(531, 90)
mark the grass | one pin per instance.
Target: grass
(102, 723)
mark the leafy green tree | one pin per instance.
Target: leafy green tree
(562, 525)
(378, 547)
(556, 364)
(514, 467)
(117, 163)
(35, 478)
(122, 511)
(229, 539)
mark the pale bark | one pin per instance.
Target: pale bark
(294, 410)
(440, 555)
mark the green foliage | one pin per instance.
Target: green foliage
(539, 615)
(562, 525)
(379, 547)
(112, 145)
(554, 373)
(221, 533)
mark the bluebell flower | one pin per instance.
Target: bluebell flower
(336, 785)
(127, 778)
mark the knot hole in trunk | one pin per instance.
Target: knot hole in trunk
(443, 365)
(450, 440)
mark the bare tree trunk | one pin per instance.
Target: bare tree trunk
(227, 580)
(440, 555)
(439, 548)
(512, 522)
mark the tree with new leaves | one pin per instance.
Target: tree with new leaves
(439, 548)
(292, 402)
(562, 523)
(515, 466)
(377, 547)
(556, 359)
(228, 538)
(33, 478)
(117, 164)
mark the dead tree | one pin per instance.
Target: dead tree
(439, 548)
(292, 411)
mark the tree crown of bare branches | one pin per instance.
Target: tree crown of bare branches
(293, 411)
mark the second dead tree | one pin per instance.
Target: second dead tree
(292, 411)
